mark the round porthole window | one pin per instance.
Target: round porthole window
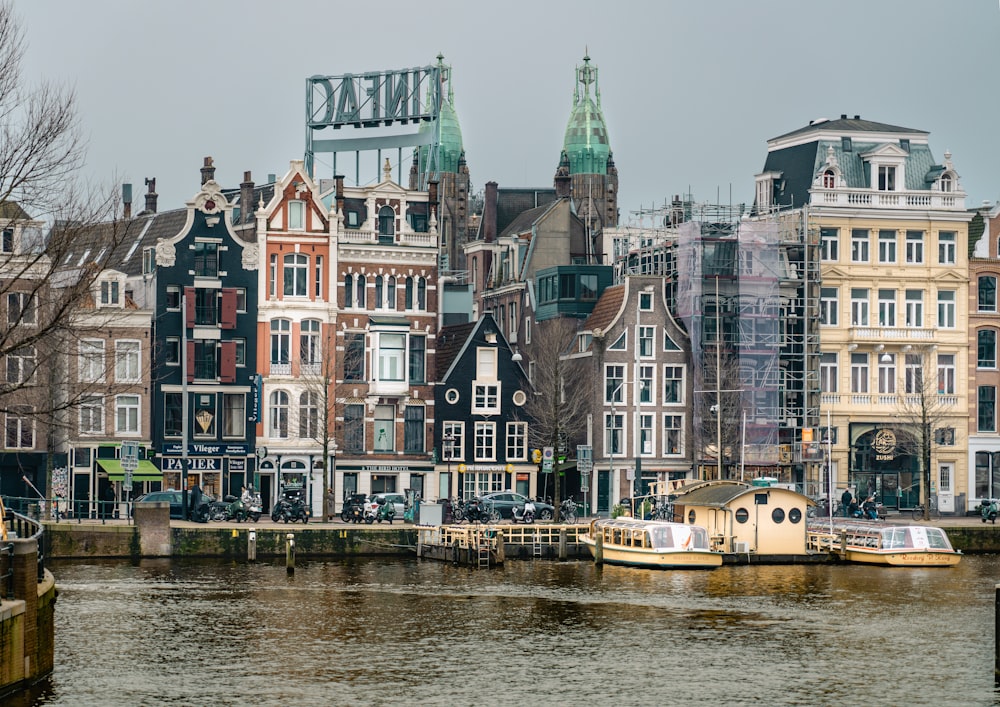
(778, 515)
(451, 396)
(742, 515)
(691, 516)
(795, 515)
(520, 398)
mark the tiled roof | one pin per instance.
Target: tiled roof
(606, 309)
(450, 340)
(524, 221)
(712, 494)
(513, 202)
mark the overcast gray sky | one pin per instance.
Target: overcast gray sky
(691, 89)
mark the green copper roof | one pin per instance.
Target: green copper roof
(586, 141)
(450, 136)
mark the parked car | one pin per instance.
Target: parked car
(396, 499)
(174, 498)
(504, 502)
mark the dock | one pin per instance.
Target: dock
(485, 546)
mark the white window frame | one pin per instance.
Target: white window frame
(860, 245)
(829, 372)
(914, 309)
(128, 414)
(946, 309)
(887, 246)
(673, 424)
(517, 441)
(946, 247)
(128, 361)
(91, 361)
(829, 307)
(485, 398)
(457, 431)
(914, 247)
(485, 441)
(886, 308)
(91, 415)
(859, 306)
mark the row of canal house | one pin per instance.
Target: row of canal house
(283, 335)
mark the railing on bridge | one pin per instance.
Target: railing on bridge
(16, 525)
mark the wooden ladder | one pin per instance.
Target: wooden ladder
(483, 547)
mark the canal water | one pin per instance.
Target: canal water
(401, 631)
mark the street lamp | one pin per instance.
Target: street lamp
(333, 463)
(448, 450)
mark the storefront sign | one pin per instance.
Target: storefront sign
(228, 450)
(237, 465)
(193, 464)
(255, 385)
(884, 444)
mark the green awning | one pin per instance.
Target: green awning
(147, 471)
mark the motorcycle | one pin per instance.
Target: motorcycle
(253, 505)
(477, 512)
(289, 511)
(523, 513)
(219, 510)
(988, 510)
(354, 509)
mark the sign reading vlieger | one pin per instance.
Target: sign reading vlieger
(255, 384)
(229, 450)
(884, 444)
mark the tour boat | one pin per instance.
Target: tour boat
(656, 544)
(891, 545)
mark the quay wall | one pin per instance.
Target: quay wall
(27, 620)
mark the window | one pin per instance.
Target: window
(273, 279)
(234, 415)
(172, 350)
(19, 428)
(829, 179)
(614, 383)
(172, 414)
(110, 293)
(987, 348)
(91, 360)
(310, 355)
(296, 273)
(828, 306)
(646, 434)
(859, 306)
(914, 308)
(946, 374)
(279, 415)
(485, 441)
(21, 309)
(127, 361)
(127, 414)
(240, 351)
(946, 248)
(859, 245)
(173, 299)
(296, 215)
(456, 449)
(614, 433)
(21, 364)
(92, 415)
(646, 301)
(945, 436)
(281, 346)
(914, 247)
(354, 428)
(886, 177)
(829, 239)
(418, 359)
(673, 384)
(913, 375)
(646, 383)
(859, 373)
(354, 357)
(416, 293)
(205, 353)
(887, 374)
(828, 373)
(386, 221)
(391, 352)
(987, 293)
(527, 330)
(647, 335)
(385, 430)
(887, 308)
(241, 299)
(946, 309)
(673, 435)
(206, 259)
(148, 260)
(204, 416)
(517, 441)
(205, 306)
(318, 280)
(887, 246)
(7, 241)
(986, 408)
(845, 144)
(309, 415)
(486, 399)
(413, 429)
(620, 343)
(354, 290)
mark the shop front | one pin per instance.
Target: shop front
(884, 461)
(351, 478)
(218, 469)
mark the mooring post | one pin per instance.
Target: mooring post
(252, 545)
(562, 543)
(598, 547)
(290, 553)
(996, 634)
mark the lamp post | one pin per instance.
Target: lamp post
(448, 449)
(332, 466)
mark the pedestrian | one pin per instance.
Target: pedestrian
(331, 504)
(845, 501)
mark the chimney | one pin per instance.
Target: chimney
(208, 171)
(490, 212)
(246, 198)
(151, 195)
(127, 200)
(857, 117)
(432, 193)
(339, 191)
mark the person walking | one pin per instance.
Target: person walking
(845, 502)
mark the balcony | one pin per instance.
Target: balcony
(892, 334)
(902, 200)
(371, 236)
(898, 402)
(281, 369)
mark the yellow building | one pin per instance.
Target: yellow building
(893, 304)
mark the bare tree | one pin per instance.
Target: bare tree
(923, 412)
(558, 409)
(718, 410)
(317, 409)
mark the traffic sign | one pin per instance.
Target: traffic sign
(584, 458)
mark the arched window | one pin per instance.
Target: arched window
(348, 290)
(946, 183)
(296, 274)
(421, 294)
(310, 355)
(386, 221)
(829, 179)
(279, 415)
(309, 415)
(281, 346)
(416, 293)
(379, 288)
(390, 292)
(354, 290)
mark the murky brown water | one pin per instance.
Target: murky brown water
(379, 632)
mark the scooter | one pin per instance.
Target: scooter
(988, 509)
(523, 513)
(384, 511)
(253, 506)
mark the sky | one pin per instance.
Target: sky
(691, 89)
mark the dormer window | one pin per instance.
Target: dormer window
(845, 144)
(887, 178)
(110, 293)
(904, 143)
(7, 241)
(296, 215)
(946, 183)
(386, 221)
(829, 179)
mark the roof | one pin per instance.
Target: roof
(12, 210)
(586, 142)
(513, 202)
(607, 308)
(712, 493)
(855, 124)
(450, 341)
(525, 220)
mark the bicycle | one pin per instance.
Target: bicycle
(918, 511)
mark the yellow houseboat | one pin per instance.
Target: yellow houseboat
(656, 544)
(892, 545)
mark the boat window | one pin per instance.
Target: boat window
(795, 515)
(742, 515)
(616, 536)
(691, 516)
(661, 537)
(699, 539)
(937, 539)
(778, 515)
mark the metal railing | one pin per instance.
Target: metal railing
(64, 509)
(21, 527)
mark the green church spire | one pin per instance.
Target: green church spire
(586, 142)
